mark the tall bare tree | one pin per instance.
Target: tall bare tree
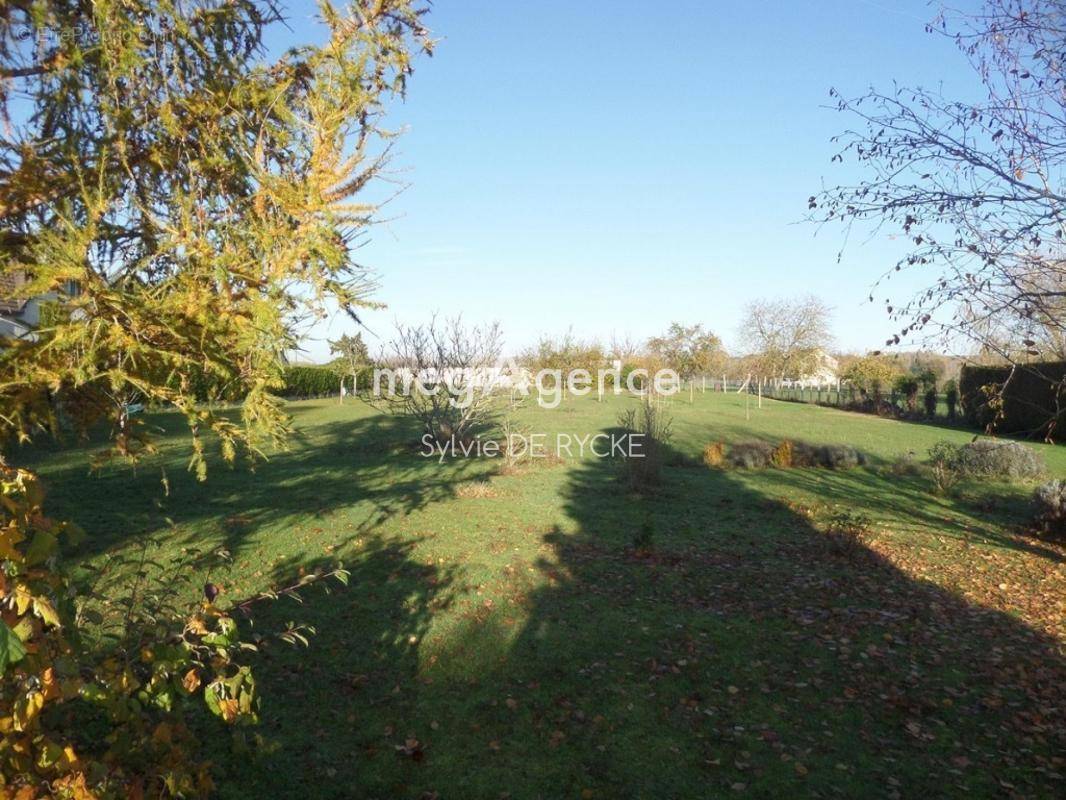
(787, 336)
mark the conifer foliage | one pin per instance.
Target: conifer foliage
(185, 200)
(188, 197)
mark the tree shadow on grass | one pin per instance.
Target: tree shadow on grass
(989, 515)
(746, 653)
(366, 467)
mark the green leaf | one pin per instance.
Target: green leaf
(211, 698)
(11, 647)
(42, 546)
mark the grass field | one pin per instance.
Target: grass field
(501, 638)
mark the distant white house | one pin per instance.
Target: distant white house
(825, 372)
(20, 316)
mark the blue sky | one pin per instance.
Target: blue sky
(615, 166)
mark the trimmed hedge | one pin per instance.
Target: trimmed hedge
(300, 381)
(309, 382)
(1034, 399)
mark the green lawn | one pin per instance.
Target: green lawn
(500, 637)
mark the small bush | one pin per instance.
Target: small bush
(1050, 502)
(714, 454)
(759, 455)
(782, 455)
(930, 401)
(805, 455)
(993, 459)
(946, 460)
(845, 530)
(643, 469)
(751, 455)
(475, 490)
(840, 456)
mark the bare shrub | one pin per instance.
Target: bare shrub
(648, 427)
(443, 377)
(995, 459)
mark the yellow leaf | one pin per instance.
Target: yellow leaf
(191, 681)
(26, 708)
(229, 709)
(9, 537)
(70, 758)
(45, 611)
(23, 599)
(49, 685)
(74, 786)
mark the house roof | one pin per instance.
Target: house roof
(10, 283)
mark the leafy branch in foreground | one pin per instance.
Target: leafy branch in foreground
(151, 662)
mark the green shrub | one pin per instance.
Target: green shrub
(946, 461)
(310, 382)
(951, 397)
(806, 455)
(1050, 502)
(995, 459)
(1033, 401)
(908, 385)
(759, 455)
(905, 465)
(930, 400)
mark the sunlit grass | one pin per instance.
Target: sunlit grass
(513, 632)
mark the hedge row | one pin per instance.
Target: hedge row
(1034, 400)
(299, 382)
(310, 382)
